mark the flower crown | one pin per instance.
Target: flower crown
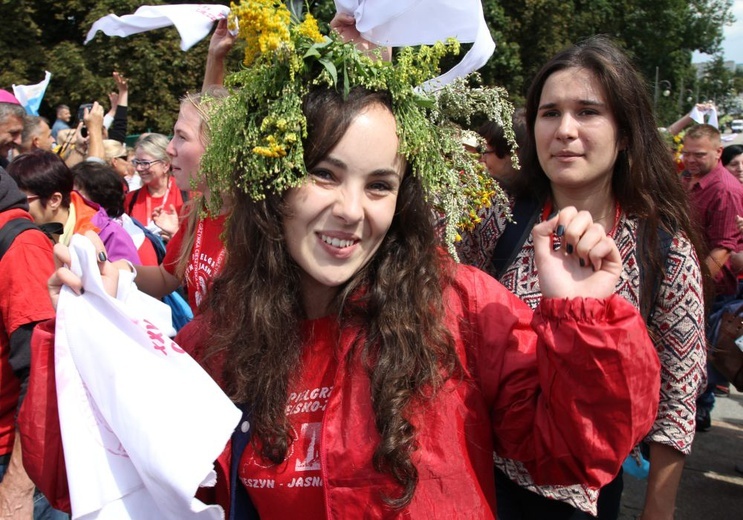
(257, 132)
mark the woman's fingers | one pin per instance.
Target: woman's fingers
(63, 275)
(574, 256)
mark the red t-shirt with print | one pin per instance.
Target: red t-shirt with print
(207, 256)
(294, 488)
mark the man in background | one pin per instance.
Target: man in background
(37, 135)
(11, 125)
(716, 198)
(62, 121)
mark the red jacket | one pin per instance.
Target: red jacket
(571, 405)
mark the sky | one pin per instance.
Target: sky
(732, 46)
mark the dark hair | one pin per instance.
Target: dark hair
(102, 185)
(644, 181)
(42, 173)
(393, 306)
(730, 152)
(493, 133)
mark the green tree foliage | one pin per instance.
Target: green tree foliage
(41, 35)
(657, 33)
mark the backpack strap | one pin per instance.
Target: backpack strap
(12, 229)
(525, 213)
(133, 201)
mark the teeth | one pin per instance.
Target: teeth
(336, 242)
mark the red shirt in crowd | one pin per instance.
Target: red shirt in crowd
(207, 256)
(24, 298)
(716, 199)
(144, 203)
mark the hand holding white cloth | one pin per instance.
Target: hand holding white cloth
(141, 421)
(399, 23)
(193, 21)
(698, 114)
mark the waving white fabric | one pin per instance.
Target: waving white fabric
(698, 115)
(192, 21)
(399, 23)
(141, 421)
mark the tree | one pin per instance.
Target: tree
(657, 33)
(48, 36)
(717, 84)
(42, 35)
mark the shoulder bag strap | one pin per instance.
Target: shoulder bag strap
(525, 215)
(12, 229)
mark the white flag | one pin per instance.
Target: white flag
(193, 21)
(30, 96)
(141, 421)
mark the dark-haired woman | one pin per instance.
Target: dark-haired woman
(732, 159)
(101, 184)
(379, 375)
(590, 146)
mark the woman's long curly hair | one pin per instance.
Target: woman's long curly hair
(394, 305)
(644, 181)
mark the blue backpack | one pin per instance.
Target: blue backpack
(179, 307)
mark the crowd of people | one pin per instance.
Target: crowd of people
(568, 339)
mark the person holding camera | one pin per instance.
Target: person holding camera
(88, 136)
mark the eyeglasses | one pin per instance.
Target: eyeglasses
(485, 152)
(145, 165)
(31, 198)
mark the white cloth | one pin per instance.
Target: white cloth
(134, 182)
(698, 115)
(138, 236)
(30, 96)
(399, 23)
(192, 21)
(141, 421)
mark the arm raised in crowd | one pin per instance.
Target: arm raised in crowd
(219, 46)
(119, 126)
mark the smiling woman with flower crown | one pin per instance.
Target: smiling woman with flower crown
(376, 374)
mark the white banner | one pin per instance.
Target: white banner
(193, 21)
(141, 421)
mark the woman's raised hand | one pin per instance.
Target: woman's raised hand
(575, 257)
(345, 25)
(166, 219)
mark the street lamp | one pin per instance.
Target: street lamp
(665, 84)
